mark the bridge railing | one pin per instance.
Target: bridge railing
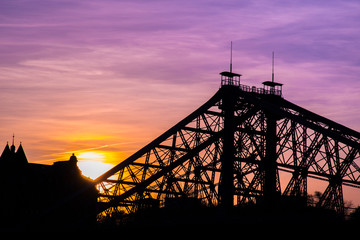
(233, 79)
(254, 89)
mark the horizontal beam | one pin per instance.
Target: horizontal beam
(146, 165)
(191, 181)
(173, 148)
(198, 130)
(317, 175)
(120, 182)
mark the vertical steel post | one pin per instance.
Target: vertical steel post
(226, 188)
(269, 163)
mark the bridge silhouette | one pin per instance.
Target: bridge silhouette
(232, 151)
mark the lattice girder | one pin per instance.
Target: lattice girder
(186, 161)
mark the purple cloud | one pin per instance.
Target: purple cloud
(135, 68)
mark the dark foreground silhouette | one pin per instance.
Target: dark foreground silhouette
(188, 211)
(38, 197)
(43, 197)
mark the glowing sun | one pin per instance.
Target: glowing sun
(92, 164)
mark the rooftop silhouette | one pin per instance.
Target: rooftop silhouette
(32, 190)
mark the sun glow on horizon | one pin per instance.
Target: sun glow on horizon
(92, 164)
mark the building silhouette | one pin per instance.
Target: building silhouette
(35, 195)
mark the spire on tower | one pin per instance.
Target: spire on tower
(272, 76)
(231, 56)
(20, 155)
(272, 88)
(12, 148)
(230, 78)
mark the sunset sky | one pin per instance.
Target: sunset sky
(109, 76)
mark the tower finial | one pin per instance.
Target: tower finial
(12, 148)
(231, 56)
(272, 76)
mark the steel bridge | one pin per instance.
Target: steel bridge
(233, 150)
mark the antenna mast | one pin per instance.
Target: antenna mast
(272, 76)
(231, 57)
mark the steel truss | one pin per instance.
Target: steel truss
(232, 150)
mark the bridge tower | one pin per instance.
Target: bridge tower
(271, 187)
(272, 91)
(229, 83)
